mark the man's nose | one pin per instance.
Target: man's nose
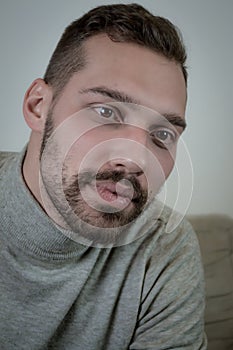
(130, 151)
(126, 165)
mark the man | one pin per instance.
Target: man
(86, 261)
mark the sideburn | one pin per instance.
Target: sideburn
(48, 130)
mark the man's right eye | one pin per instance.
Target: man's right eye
(110, 113)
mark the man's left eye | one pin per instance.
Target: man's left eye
(164, 137)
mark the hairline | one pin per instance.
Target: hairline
(84, 61)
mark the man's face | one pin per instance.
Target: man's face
(127, 109)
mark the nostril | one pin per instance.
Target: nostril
(138, 173)
(128, 166)
(128, 171)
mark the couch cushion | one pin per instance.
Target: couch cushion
(215, 234)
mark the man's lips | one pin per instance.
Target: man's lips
(111, 191)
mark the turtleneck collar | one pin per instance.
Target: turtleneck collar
(23, 221)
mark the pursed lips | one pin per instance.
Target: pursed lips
(110, 191)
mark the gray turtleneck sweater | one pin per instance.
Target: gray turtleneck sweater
(58, 294)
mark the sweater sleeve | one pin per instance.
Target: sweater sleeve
(171, 314)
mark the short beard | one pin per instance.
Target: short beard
(48, 130)
(102, 218)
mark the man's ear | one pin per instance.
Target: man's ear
(37, 101)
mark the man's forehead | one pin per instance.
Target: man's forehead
(127, 79)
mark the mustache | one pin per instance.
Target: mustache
(88, 177)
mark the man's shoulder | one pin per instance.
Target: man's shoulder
(178, 235)
(6, 158)
(173, 231)
(174, 220)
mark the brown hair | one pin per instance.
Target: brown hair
(122, 23)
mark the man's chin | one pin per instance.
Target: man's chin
(102, 229)
(106, 216)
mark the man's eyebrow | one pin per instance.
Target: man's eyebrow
(114, 94)
(120, 96)
(175, 119)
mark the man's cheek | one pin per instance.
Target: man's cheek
(166, 160)
(167, 165)
(76, 156)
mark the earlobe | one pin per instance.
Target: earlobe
(36, 104)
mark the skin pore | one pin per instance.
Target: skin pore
(107, 95)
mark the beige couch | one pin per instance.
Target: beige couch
(215, 233)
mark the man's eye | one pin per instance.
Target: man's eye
(164, 137)
(110, 113)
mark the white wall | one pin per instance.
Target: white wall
(30, 29)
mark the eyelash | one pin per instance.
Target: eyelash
(116, 112)
(164, 144)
